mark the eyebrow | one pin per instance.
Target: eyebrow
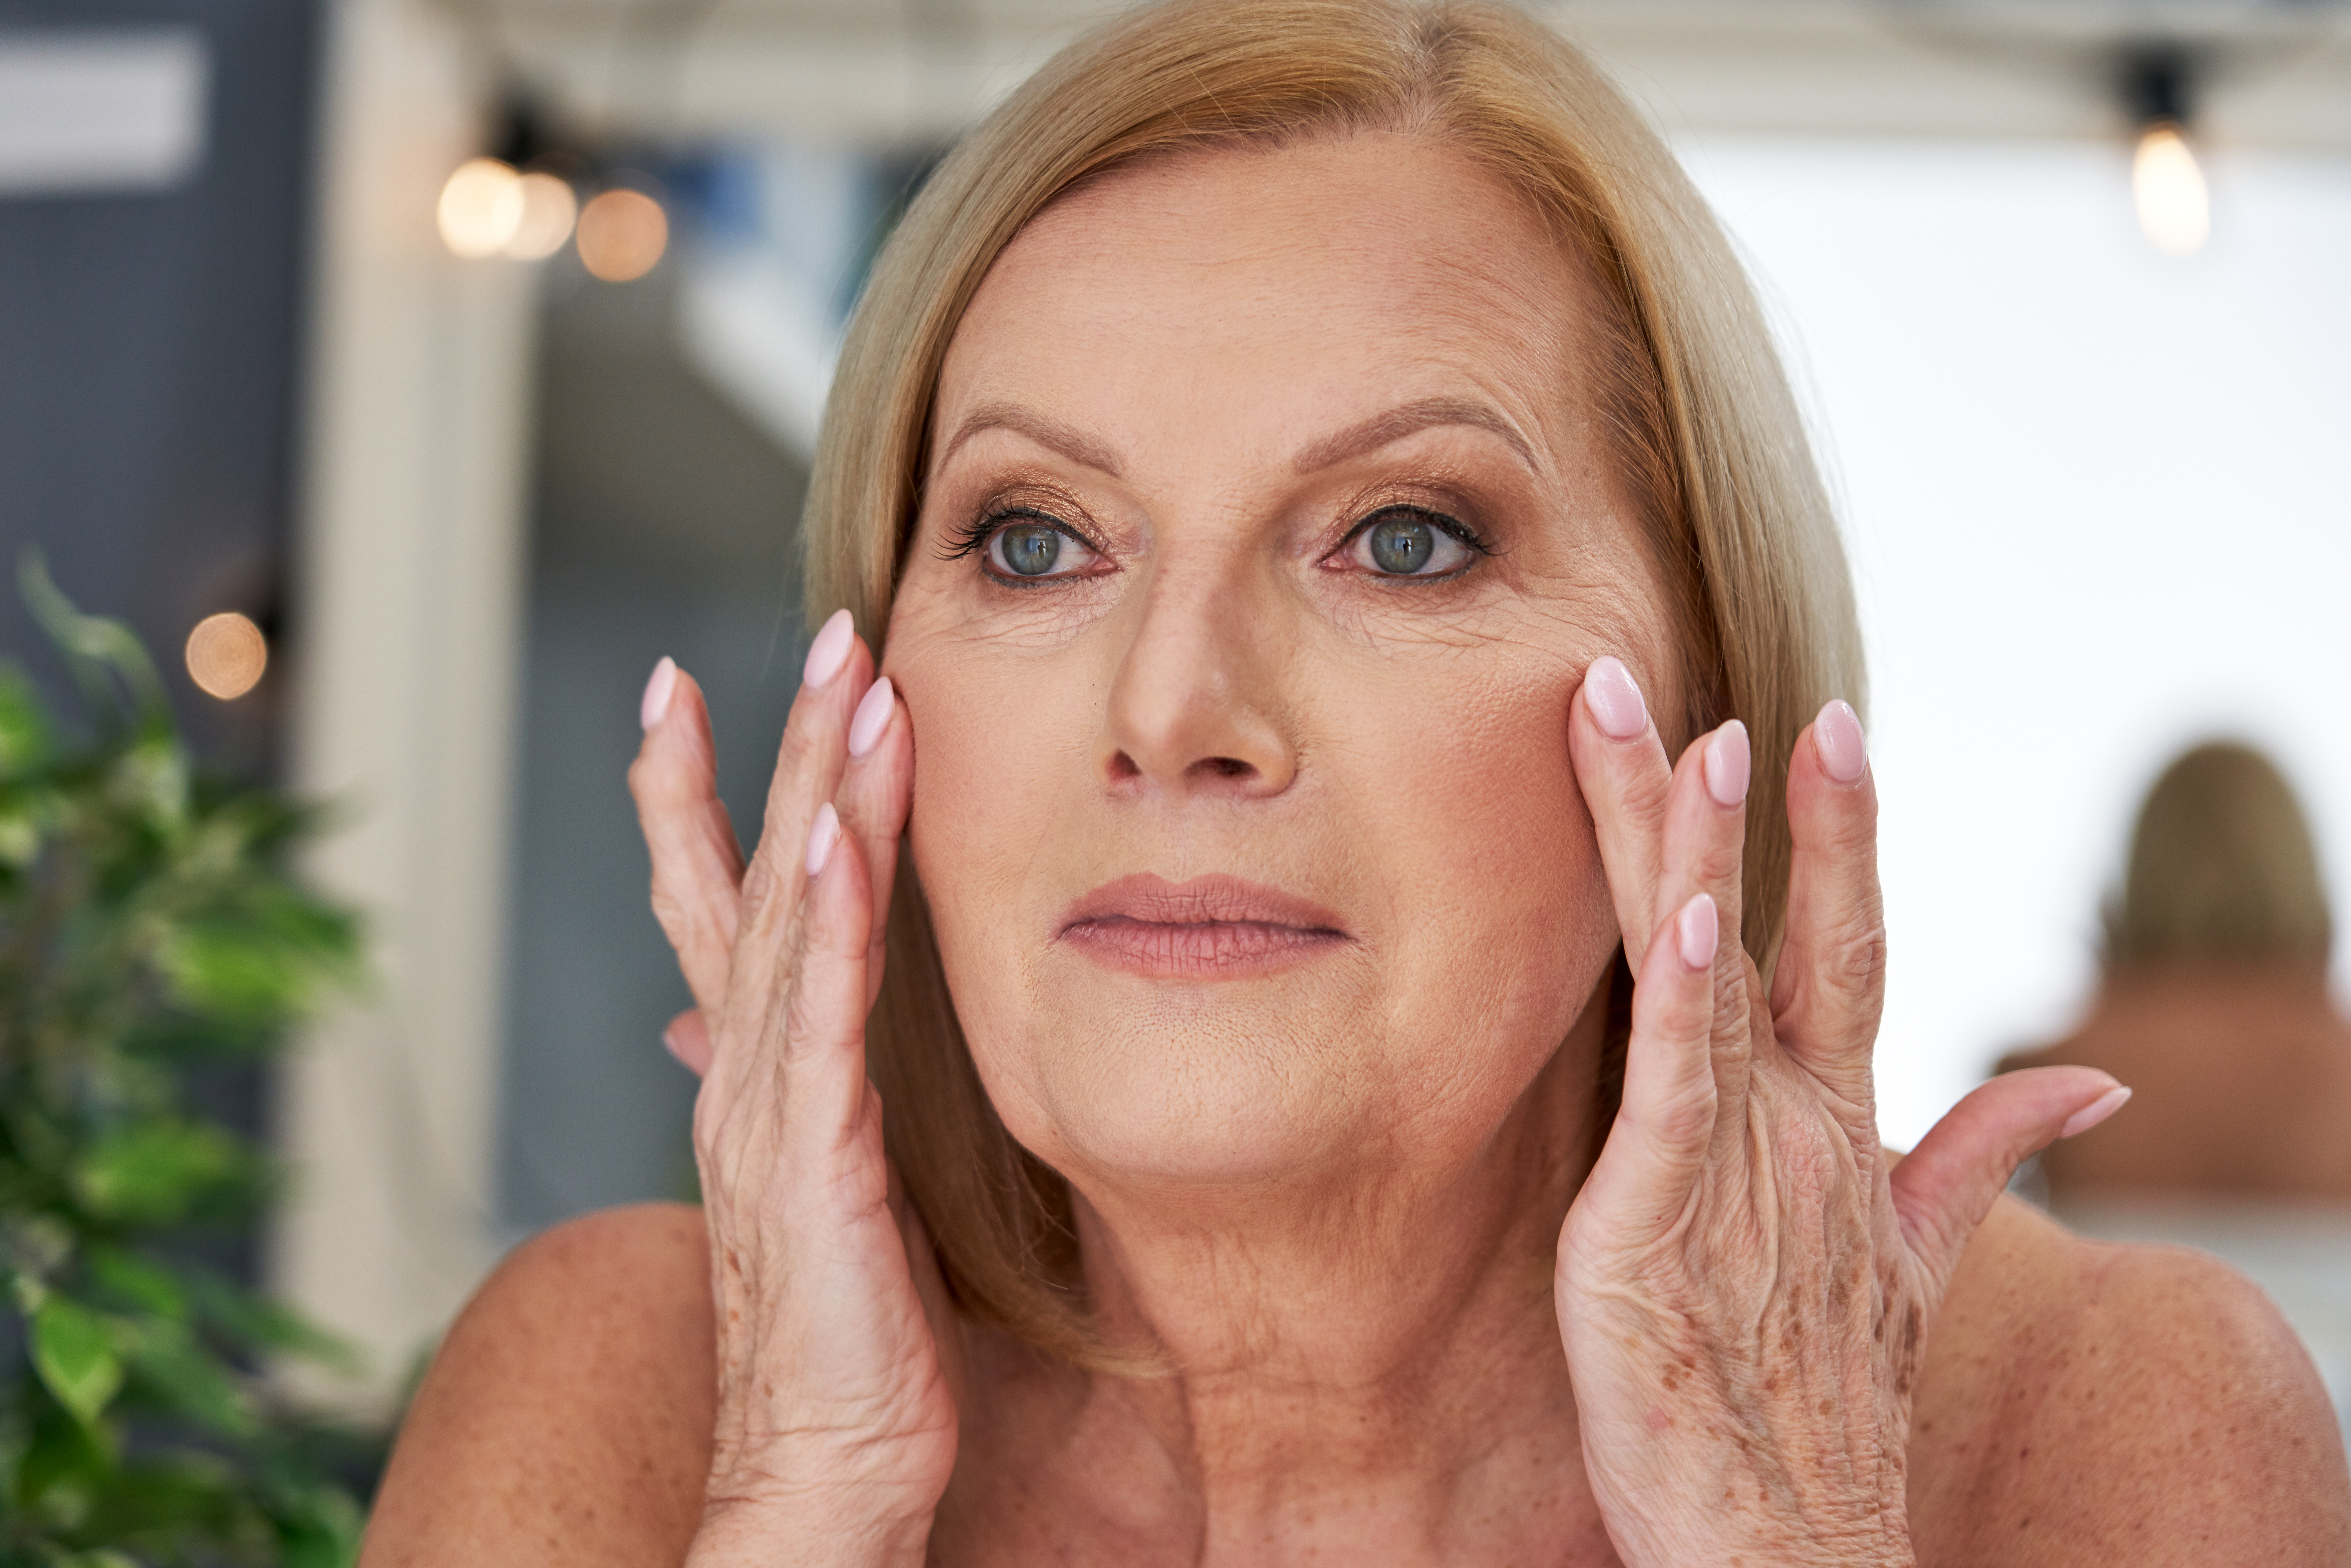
(1049, 433)
(1409, 419)
(1367, 436)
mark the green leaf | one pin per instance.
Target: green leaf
(152, 1173)
(191, 1381)
(74, 1355)
(323, 1530)
(265, 957)
(24, 730)
(137, 1282)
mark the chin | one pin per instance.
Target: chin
(1208, 1089)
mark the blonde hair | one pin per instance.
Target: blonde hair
(1705, 430)
(2222, 870)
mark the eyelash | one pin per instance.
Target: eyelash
(971, 539)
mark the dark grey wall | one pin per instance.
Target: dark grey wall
(663, 524)
(148, 361)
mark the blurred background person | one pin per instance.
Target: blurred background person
(2213, 1004)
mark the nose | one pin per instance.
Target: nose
(1197, 707)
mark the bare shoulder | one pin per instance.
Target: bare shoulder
(566, 1416)
(2087, 1404)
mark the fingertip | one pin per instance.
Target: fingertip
(1727, 763)
(828, 650)
(872, 721)
(1614, 699)
(2095, 1111)
(825, 835)
(1698, 929)
(1839, 742)
(654, 706)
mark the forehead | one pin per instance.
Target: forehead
(1280, 289)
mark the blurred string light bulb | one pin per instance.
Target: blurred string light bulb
(2175, 208)
(623, 233)
(487, 208)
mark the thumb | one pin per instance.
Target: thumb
(687, 1038)
(1946, 1185)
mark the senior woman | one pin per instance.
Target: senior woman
(1330, 1084)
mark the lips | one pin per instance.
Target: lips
(1209, 927)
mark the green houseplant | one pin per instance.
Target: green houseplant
(150, 925)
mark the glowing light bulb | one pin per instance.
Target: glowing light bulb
(623, 233)
(2174, 207)
(548, 211)
(482, 207)
(226, 654)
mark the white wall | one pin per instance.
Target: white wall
(2099, 508)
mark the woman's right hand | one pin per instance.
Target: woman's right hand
(836, 1425)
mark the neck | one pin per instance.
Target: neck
(1370, 1364)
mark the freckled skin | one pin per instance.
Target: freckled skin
(1331, 1194)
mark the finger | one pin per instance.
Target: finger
(1944, 1187)
(1830, 988)
(687, 1038)
(1705, 840)
(808, 764)
(1663, 1135)
(876, 788)
(822, 1048)
(697, 867)
(1620, 767)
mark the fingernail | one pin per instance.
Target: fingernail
(1614, 700)
(823, 833)
(830, 652)
(668, 1043)
(1836, 736)
(871, 717)
(658, 691)
(2095, 1111)
(1726, 764)
(1695, 930)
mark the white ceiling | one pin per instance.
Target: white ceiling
(912, 69)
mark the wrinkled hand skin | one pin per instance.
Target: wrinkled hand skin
(835, 1429)
(1746, 1284)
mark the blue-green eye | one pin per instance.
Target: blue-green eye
(1028, 549)
(1411, 544)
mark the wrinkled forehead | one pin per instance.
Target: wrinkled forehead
(1247, 285)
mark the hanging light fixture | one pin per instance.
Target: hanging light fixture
(2175, 207)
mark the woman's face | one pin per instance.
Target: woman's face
(1268, 528)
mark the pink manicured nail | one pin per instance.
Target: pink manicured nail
(2095, 1111)
(668, 1043)
(1696, 929)
(1726, 764)
(830, 652)
(1836, 736)
(1614, 700)
(873, 717)
(658, 691)
(823, 833)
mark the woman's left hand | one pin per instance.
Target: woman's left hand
(1746, 1284)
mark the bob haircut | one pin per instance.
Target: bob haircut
(2223, 869)
(1709, 438)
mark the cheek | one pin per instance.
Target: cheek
(1470, 806)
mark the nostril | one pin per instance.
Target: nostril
(1227, 767)
(1123, 768)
